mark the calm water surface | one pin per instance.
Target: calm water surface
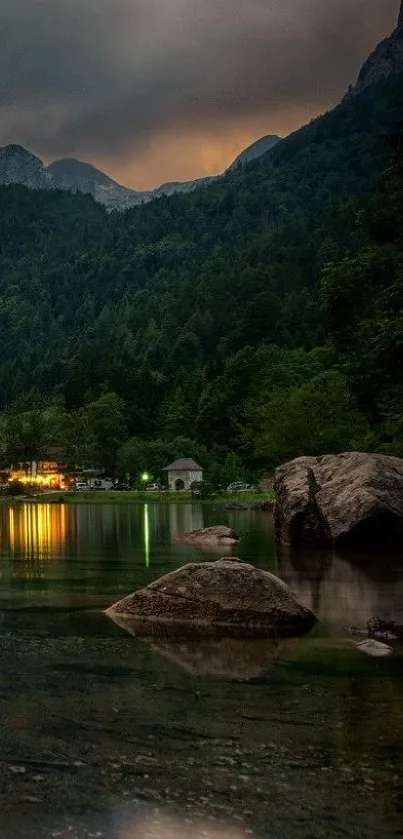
(105, 735)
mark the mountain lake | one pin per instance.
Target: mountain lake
(106, 735)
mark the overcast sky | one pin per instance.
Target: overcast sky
(158, 90)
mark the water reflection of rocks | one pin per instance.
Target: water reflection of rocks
(233, 658)
(345, 590)
(228, 657)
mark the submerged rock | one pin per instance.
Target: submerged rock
(226, 597)
(353, 499)
(211, 537)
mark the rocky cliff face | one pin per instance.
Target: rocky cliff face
(386, 60)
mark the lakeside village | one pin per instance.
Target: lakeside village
(52, 475)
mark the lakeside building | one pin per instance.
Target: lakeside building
(183, 473)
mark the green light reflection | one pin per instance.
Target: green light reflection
(146, 536)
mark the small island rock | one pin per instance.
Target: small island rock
(352, 500)
(209, 537)
(225, 597)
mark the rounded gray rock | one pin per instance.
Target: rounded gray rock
(225, 597)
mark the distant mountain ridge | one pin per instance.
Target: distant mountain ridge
(18, 165)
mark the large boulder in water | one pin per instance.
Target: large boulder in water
(226, 597)
(352, 500)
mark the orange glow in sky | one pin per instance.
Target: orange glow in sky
(189, 155)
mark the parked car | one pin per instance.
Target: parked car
(238, 486)
(153, 488)
(81, 486)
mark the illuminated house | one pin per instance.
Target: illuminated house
(49, 474)
(46, 474)
(182, 473)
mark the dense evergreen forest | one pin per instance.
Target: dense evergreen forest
(254, 320)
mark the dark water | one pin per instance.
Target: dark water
(105, 735)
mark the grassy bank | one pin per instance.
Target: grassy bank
(136, 497)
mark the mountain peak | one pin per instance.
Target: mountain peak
(15, 150)
(257, 149)
(385, 61)
(18, 165)
(72, 172)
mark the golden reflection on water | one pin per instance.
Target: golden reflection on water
(34, 530)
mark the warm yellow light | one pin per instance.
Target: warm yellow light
(41, 479)
(37, 530)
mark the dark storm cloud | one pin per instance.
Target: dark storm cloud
(105, 76)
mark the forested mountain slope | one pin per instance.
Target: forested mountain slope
(208, 315)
